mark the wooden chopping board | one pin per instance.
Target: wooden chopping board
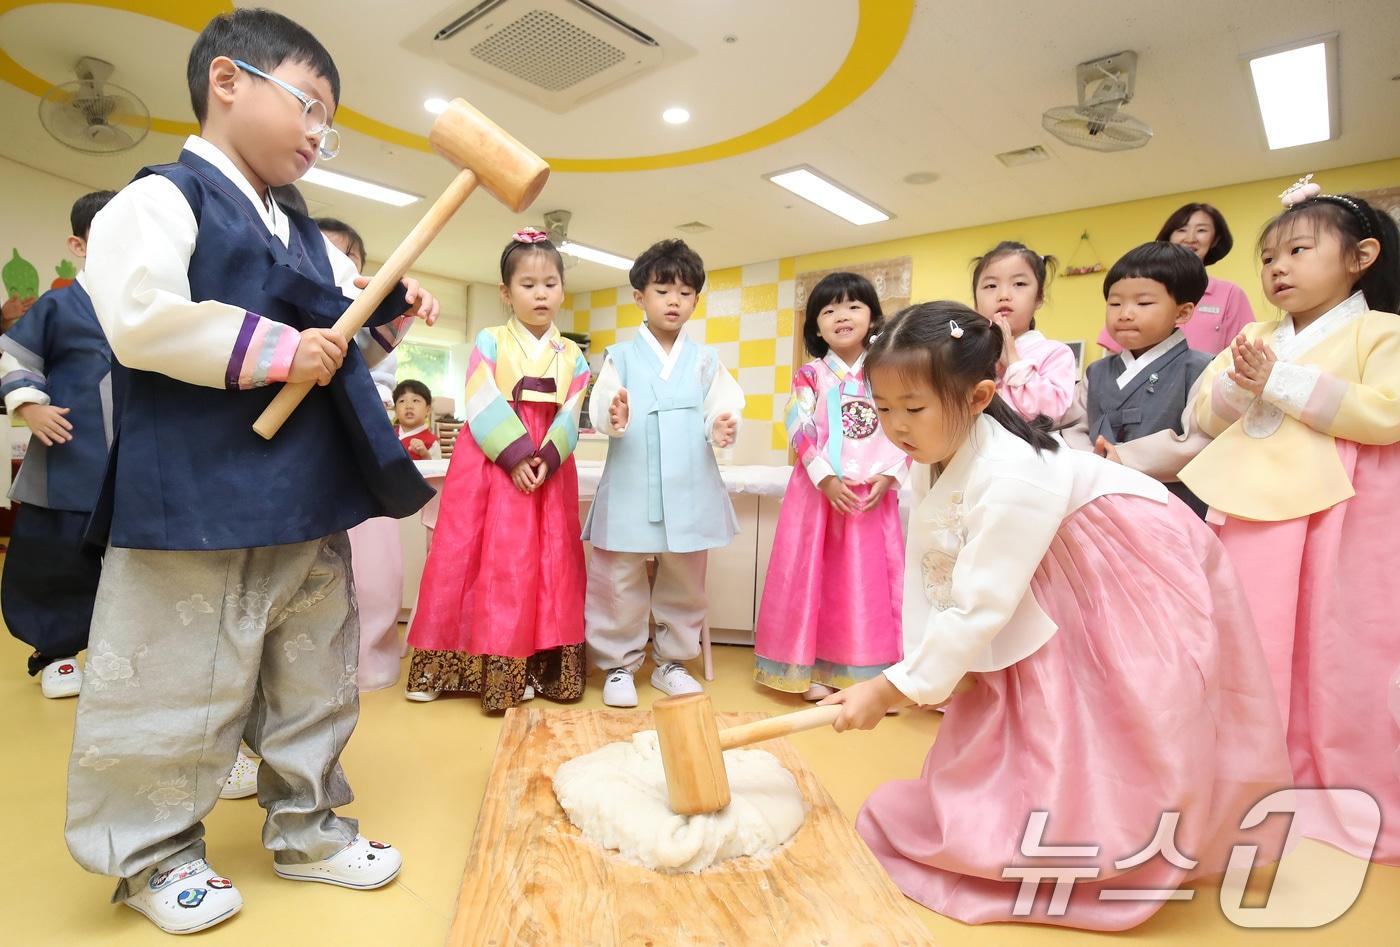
(532, 879)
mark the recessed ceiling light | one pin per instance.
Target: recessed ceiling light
(374, 192)
(1022, 156)
(594, 255)
(808, 184)
(1296, 88)
(920, 177)
(436, 106)
(694, 226)
(675, 116)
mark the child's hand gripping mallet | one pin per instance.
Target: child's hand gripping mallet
(487, 155)
(692, 747)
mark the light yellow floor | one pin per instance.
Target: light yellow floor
(419, 771)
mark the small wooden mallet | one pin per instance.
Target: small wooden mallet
(692, 747)
(487, 155)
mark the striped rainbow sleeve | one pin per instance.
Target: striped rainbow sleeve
(262, 354)
(562, 437)
(390, 334)
(494, 425)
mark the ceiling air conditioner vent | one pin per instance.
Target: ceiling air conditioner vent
(556, 53)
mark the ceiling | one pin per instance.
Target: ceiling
(967, 81)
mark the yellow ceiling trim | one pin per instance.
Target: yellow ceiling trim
(880, 33)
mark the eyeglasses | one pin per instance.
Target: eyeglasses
(313, 113)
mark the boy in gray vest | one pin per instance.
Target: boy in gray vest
(1133, 407)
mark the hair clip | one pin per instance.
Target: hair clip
(874, 338)
(955, 330)
(1301, 190)
(530, 235)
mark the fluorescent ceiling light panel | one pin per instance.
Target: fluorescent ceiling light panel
(374, 192)
(594, 255)
(809, 185)
(436, 106)
(675, 116)
(1296, 91)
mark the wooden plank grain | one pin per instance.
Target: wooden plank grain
(532, 880)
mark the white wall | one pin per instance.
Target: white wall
(34, 210)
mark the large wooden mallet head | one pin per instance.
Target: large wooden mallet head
(488, 156)
(692, 747)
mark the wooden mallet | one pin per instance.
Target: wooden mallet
(487, 155)
(692, 747)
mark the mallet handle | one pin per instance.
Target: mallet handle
(779, 726)
(389, 275)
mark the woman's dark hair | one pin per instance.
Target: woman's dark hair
(839, 288)
(1182, 216)
(518, 250)
(352, 236)
(919, 342)
(413, 386)
(1353, 220)
(1042, 267)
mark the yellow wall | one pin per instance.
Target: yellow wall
(1074, 307)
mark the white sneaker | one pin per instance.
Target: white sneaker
(818, 692)
(422, 697)
(242, 780)
(61, 678)
(528, 693)
(673, 680)
(619, 690)
(361, 864)
(187, 899)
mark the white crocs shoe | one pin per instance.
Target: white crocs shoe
(242, 780)
(187, 899)
(61, 678)
(619, 689)
(528, 693)
(361, 864)
(673, 680)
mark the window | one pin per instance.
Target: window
(430, 364)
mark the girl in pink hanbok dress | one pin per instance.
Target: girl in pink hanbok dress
(1035, 375)
(1113, 683)
(830, 610)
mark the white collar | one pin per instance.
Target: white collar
(81, 280)
(532, 346)
(668, 359)
(272, 216)
(412, 431)
(1133, 367)
(1290, 343)
(839, 366)
(1031, 335)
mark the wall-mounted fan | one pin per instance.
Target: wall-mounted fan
(1096, 123)
(91, 114)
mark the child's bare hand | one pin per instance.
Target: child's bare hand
(421, 303)
(619, 412)
(1008, 344)
(725, 430)
(839, 493)
(882, 485)
(1254, 363)
(47, 422)
(865, 704)
(1106, 450)
(319, 355)
(418, 449)
(524, 477)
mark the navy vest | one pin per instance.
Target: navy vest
(188, 472)
(1152, 401)
(62, 331)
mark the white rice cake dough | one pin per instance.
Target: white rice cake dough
(617, 797)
